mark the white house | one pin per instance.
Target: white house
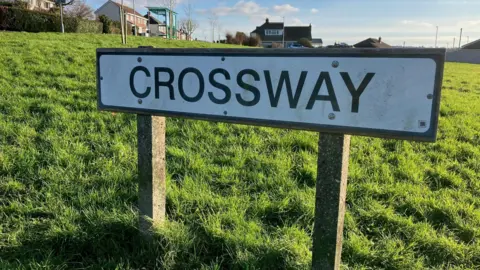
(38, 4)
(157, 27)
(111, 9)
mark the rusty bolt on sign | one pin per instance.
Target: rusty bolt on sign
(331, 116)
(335, 64)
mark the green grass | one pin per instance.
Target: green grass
(239, 197)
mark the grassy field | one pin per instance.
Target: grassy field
(239, 197)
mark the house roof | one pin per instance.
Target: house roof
(317, 40)
(127, 9)
(292, 33)
(372, 43)
(154, 20)
(472, 45)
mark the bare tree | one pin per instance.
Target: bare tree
(189, 24)
(213, 19)
(79, 9)
(170, 4)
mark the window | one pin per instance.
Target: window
(271, 32)
(46, 5)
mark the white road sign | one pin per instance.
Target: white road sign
(383, 93)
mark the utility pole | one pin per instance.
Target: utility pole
(62, 3)
(404, 44)
(61, 17)
(436, 38)
(122, 24)
(453, 46)
(283, 33)
(460, 40)
(134, 19)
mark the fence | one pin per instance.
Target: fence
(463, 56)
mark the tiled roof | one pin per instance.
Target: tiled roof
(371, 43)
(127, 9)
(472, 45)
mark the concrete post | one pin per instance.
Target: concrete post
(331, 189)
(151, 171)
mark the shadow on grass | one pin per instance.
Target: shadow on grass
(119, 245)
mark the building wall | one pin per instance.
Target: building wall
(110, 10)
(140, 22)
(40, 4)
(156, 29)
(464, 56)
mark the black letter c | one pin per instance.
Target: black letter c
(132, 86)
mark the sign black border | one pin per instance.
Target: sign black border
(437, 55)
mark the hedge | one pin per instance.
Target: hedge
(15, 19)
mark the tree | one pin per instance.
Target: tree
(189, 24)
(254, 41)
(107, 24)
(170, 4)
(305, 42)
(229, 38)
(241, 38)
(79, 9)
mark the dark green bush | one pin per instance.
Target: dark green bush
(6, 4)
(15, 19)
(107, 24)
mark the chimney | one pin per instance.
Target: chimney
(380, 40)
(266, 20)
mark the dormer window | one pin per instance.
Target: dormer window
(273, 32)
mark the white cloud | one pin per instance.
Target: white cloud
(296, 22)
(285, 9)
(242, 7)
(469, 23)
(417, 23)
(314, 10)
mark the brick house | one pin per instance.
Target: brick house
(276, 32)
(111, 9)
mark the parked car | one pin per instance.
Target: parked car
(295, 46)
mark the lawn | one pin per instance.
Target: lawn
(239, 197)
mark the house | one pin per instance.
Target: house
(156, 28)
(111, 9)
(317, 42)
(44, 5)
(474, 45)
(372, 43)
(41, 4)
(277, 32)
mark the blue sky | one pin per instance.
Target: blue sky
(396, 21)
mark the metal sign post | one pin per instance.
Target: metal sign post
(386, 93)
(62, 3)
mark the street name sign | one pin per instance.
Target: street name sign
(375, 92)
(393, 93)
